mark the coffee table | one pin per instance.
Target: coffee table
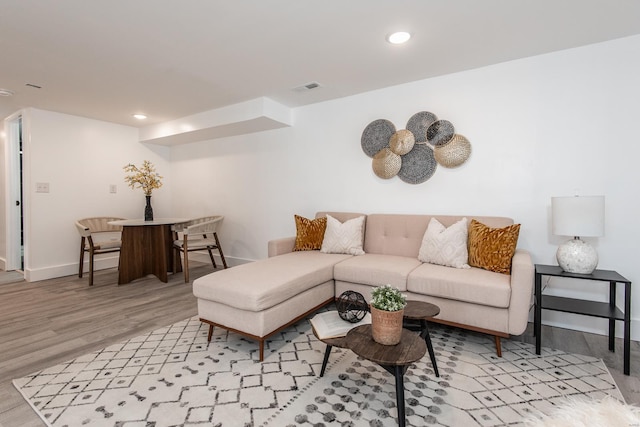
(418, 311)
(395, 359)
(421, 311)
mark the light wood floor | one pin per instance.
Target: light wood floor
(48, 322)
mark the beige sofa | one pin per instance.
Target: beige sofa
(259, 299)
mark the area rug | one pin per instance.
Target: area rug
(173, 377)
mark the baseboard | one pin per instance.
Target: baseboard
(231, 261)
(53, 272)
(588, 324)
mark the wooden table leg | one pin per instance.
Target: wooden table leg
(327, 352)
(399, 374)
(147, 249)
(130, 265)
(427, 339)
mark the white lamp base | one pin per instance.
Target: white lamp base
(577, 256)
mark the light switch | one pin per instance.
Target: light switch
(42, 187)
(113, 188)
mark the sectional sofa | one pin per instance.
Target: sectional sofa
(260, 298)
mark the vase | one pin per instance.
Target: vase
(386, 326)
(148, 210)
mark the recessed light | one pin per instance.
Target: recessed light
(6, 92)
(140, 116)
(398, 37)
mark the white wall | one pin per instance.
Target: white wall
(551, 125)
(79, 158)
(539, 127)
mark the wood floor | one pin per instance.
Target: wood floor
(48, 322)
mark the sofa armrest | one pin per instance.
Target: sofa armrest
(522, 279)
(281, 246)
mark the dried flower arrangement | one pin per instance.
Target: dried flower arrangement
(144, 177)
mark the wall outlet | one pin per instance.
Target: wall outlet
(42, 187)
(113, 188)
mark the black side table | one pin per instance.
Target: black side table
(589, 308)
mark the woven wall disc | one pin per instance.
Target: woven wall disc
(376, 136)
(440, 132)
(386, 163)
(401, 142)
(419, 123)
(418, 165)
(453, 153)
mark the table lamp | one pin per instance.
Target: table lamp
(579, 217)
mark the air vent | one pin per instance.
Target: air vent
(33, 86)
(307, 87)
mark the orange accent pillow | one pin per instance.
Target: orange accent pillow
(309, 233)
(492, 248)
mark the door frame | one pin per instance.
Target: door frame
(13, 192)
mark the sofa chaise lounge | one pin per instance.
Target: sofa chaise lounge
(260, 298)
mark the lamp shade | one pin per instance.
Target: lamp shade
(578, 216)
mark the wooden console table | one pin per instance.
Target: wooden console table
(607, 310)
(147, 248)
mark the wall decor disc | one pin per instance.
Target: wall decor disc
(418, 165)
(386, 163)
(453, 153)
(376, 136)
(402, 142)
(419, 123)
(440, 132)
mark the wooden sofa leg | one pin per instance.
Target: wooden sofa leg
(261, 350)
(498, 346)
(210, 334)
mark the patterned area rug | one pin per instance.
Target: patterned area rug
(172, 377)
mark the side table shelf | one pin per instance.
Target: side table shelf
(607, 310)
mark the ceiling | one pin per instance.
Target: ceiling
(109, 59)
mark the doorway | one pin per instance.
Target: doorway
(14, 191)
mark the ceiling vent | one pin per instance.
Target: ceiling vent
(307, 87)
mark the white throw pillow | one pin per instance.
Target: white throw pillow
(343, 238)
(445, 246)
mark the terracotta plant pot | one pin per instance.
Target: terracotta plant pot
(386, 326)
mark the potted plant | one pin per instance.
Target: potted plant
(144, 177)
(387, 310)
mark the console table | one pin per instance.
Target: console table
(607, 310)
(147, 248)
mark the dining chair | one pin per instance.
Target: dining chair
(97, 237)
(197, 235)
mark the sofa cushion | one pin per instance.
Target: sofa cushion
(343, 238)
(309, 233)
(492, 248)
(376, 270)
(470, 285)
(399, 234)
(395, 234)
(445, 245)
(262, 284)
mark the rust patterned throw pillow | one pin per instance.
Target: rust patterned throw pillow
(309, 233)
(492, 248)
